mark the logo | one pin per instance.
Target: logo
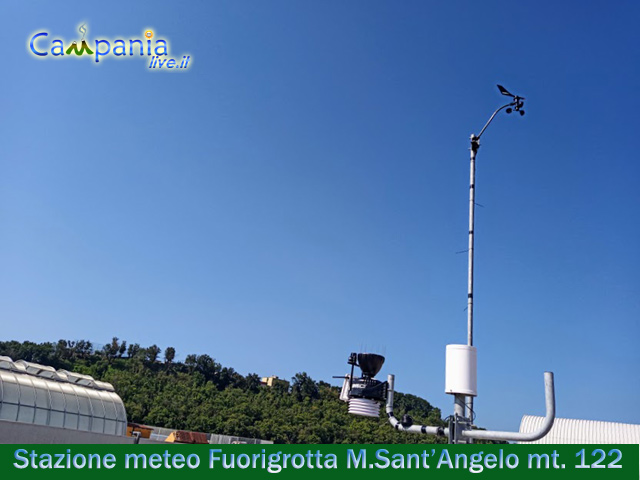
(155, 51)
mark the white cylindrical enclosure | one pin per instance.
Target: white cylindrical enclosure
(461, 370)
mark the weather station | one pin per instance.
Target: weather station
(366, 394)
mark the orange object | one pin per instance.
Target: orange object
(182, 436)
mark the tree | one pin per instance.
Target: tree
(62, 350)
(169, 355)
(303, 386)
(191, 361)
(111, 350)
(207, 366)
(84, 348)
(133, 350)
(252, 382)
(152, 353)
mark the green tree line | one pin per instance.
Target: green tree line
(200, 394)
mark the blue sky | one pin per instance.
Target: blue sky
(300, 192)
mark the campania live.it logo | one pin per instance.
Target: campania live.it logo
(41, 46)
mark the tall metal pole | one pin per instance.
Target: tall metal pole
(475, 144)
(459, 420)
(517, 104)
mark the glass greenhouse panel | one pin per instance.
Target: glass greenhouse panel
(33, 393)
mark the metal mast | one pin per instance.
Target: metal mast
(475, 144)
(516, 105)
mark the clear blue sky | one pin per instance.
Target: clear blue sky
(301, 190)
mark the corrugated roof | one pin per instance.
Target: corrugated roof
(567, 430)
(44, 371)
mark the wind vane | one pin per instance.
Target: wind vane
(517, 101)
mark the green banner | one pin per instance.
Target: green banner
(320, 461)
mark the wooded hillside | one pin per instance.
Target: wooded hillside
(199, 394)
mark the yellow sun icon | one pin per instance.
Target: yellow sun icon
(148, 34)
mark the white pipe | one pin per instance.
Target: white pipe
(550, 400)
(395, 423)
